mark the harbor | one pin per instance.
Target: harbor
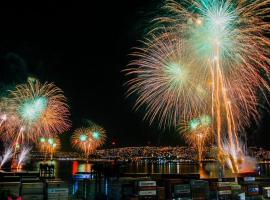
(101, 180)
(135, 100)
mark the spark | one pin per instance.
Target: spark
(23, 156)
(88, 139)
(6, 156)
(197, 42)
(33, 110)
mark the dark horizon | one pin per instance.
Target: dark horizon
(83, 50)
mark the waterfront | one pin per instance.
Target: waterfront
(66, 169)
(84, 185)
(112, 188)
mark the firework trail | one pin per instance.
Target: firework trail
(237, 159)
(218, 48)
(6, 156)
(196, 132)
(48, 145)
(23, 156)
(3, 118)
(4, 111)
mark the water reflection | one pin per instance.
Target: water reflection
(54, 163)
(84, 167)
(84, 184)
(63, 169)
(206, 170)
(164, 167)
(74, 167)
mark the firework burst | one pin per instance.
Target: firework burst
(88, 139)
(197, 133)
(217, 46)
(35, 110)
(168, 80)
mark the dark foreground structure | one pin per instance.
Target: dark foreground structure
(31, 186)
(107, 182)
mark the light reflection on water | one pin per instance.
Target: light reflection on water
(165, 168)
(64, 169)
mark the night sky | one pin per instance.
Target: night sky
(83, 49)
